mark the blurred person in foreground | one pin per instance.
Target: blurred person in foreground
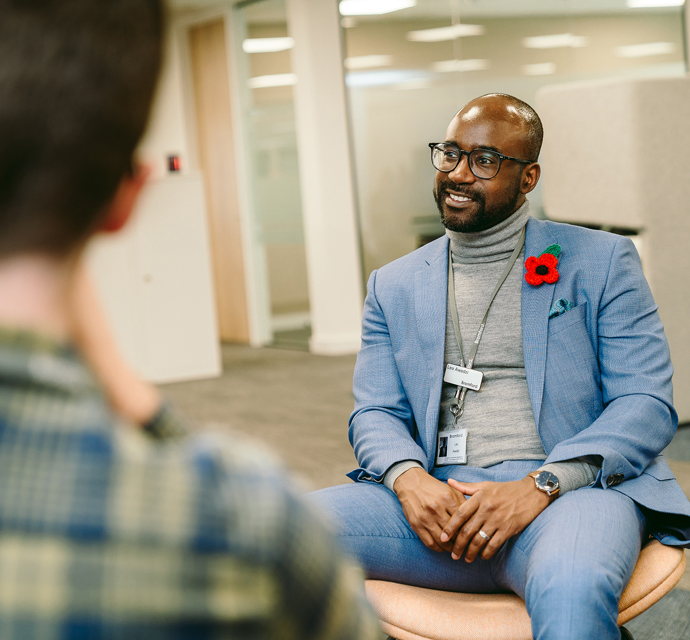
(112, 526)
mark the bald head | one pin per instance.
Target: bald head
(503, 107)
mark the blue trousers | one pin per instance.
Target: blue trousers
(570, 565)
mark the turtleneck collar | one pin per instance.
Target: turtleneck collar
(491, 245)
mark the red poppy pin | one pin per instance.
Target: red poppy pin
(543, 268)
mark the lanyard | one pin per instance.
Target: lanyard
(457, 404)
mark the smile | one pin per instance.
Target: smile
(456, 200)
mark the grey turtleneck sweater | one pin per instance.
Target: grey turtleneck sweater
(499, 417)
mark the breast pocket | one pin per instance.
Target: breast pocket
(570, 344)
(568, 319)
(573, 380)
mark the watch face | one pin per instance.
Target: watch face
(546, 481)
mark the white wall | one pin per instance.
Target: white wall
(155, 283)
(154, 278)
(168, 132)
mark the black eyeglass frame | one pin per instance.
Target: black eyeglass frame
(501, 158)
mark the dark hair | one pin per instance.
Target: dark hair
(77, 79)
(535, 131)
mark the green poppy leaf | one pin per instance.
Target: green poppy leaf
(554, 250)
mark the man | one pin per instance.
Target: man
(107, 530)
(520, 431)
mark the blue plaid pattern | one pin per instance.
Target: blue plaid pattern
(110, 532)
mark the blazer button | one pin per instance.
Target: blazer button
(614, 479)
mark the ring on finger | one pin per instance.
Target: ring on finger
(484, 535)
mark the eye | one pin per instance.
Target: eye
(450, 154)
(486, 159)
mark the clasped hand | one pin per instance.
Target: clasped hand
(444, 520)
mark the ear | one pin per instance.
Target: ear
(121, 206)
(530, 177)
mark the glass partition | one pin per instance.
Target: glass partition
(269, 124)
(409, 71)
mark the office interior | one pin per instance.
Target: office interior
(288, 144)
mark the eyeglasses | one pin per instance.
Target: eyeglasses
(484, 164)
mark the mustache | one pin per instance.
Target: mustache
(462, 191)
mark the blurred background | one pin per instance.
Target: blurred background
(289, 148)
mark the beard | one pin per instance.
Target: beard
(481, 217)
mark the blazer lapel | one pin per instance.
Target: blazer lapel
(536, 303)
(430, 291)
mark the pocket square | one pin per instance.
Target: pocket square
(560, 307)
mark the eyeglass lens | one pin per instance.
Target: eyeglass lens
(483, 163)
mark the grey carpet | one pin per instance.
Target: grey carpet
(295, 402)
(668, 619)
(679, 449)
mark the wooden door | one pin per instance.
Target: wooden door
(207, 46)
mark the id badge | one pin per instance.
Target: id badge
(452, 447)
(461, 377)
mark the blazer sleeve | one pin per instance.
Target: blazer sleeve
(382, 428)
(638, 419)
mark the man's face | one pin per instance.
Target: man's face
(469, 204)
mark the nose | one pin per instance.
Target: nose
(462, 173)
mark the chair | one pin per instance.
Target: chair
(413, 613)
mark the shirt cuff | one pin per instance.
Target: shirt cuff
(572, 474)
(166, 424)
(397, 470)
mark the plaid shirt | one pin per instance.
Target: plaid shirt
(107, 532)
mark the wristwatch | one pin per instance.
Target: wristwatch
(547, 482)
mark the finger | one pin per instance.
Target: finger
(493, 545)
(466, 534)
(441, 540)
(461, 515)
(478, 543)
(428, 540)
(445, 545)
(466, 488)
(431, 543)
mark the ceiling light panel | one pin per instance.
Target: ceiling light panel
(447, 66)
(446, 33)
(556, 41)
(644, 50)
(643, 4)
(542, 69)
(366, 79)
(274, 80)
(267, 45)
(368, 62)
(373, 7)
(413, 85)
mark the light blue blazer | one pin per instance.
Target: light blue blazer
(599, 376)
